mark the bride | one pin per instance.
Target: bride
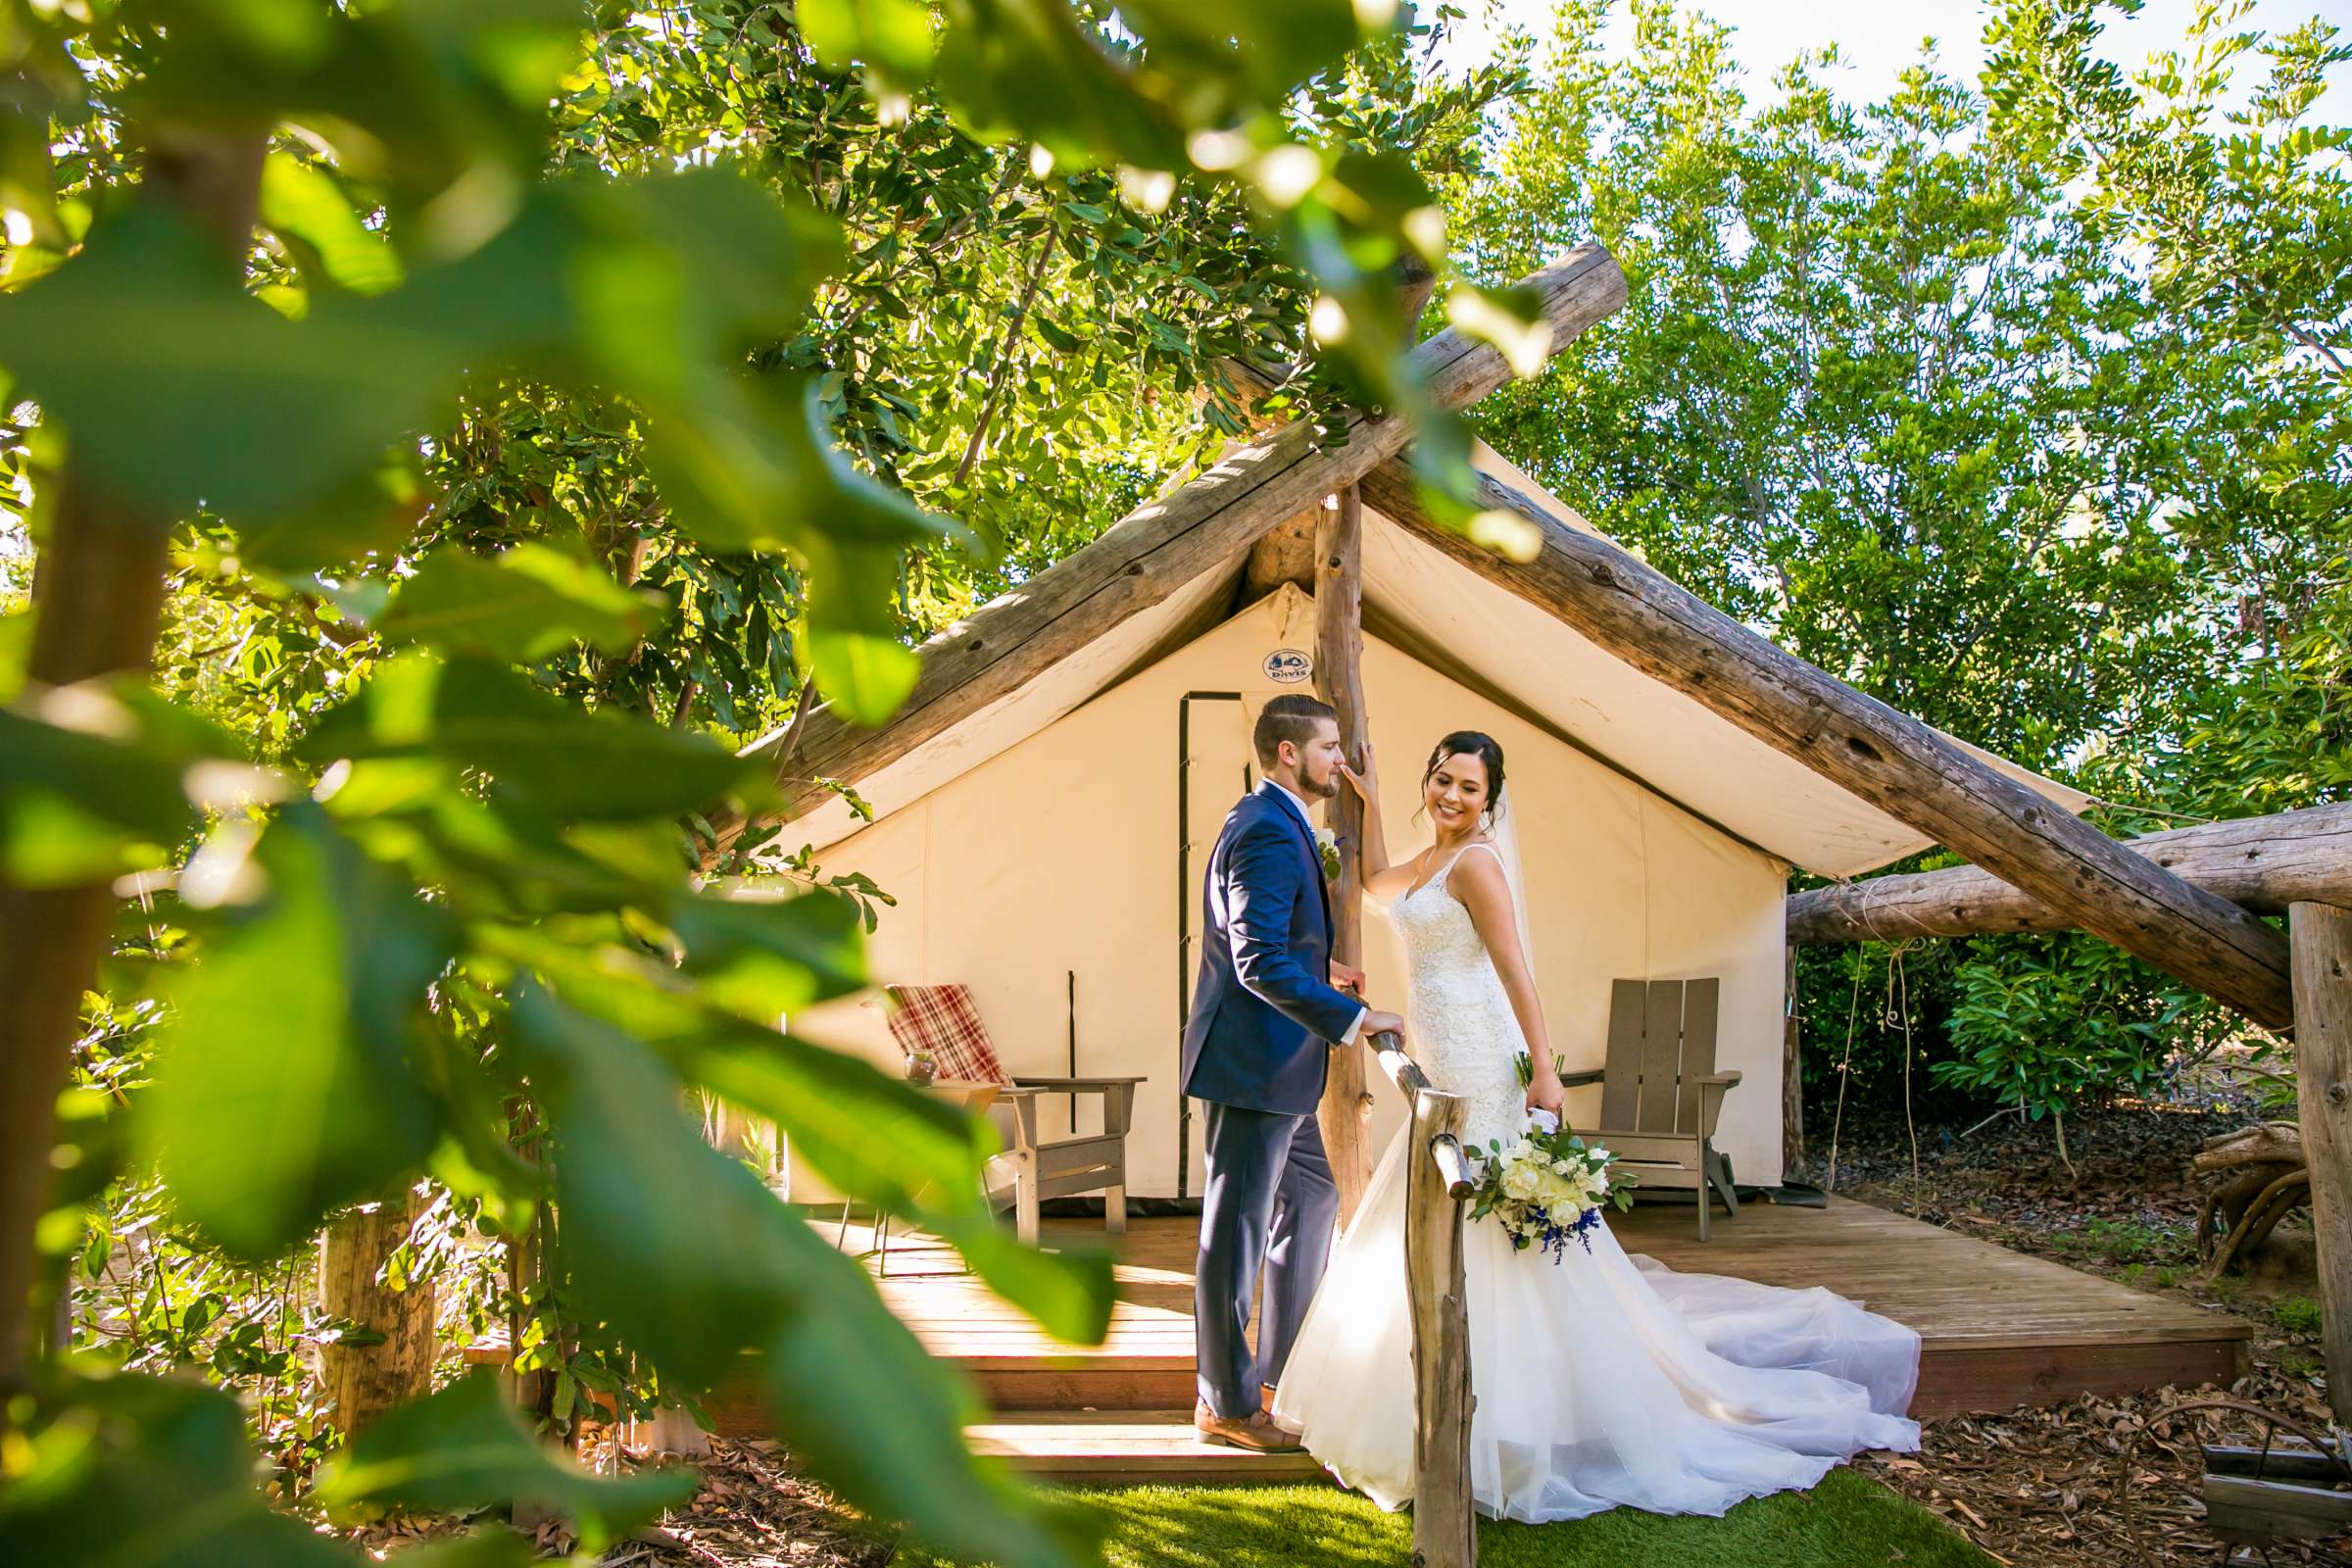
(1603, 1379)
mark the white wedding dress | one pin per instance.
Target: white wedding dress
(1601, 1381)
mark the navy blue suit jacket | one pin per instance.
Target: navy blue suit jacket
(1264, 1009)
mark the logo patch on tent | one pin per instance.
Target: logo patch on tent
(1288, 666)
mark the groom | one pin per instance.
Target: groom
(1255, 1051)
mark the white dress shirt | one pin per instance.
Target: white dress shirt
(1305, 815)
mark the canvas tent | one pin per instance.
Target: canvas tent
(1051, 842)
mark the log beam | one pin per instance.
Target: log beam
(1286, 554)
(1890, 760)
(2321, 935)
(1161, 546)
(1347, 1110)
(2262, 863)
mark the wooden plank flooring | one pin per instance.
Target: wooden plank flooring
(1999, 1330)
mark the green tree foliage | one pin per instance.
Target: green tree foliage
(2019, 403)
(572, 409)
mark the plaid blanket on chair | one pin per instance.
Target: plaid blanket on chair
(942, 1020)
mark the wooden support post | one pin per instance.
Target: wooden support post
(2321, 938)
(364, 1380)
(1347, 1110)
(1445, 1529)
(1792, 1077)
(1898, 764)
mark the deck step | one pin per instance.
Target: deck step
(1101, 1447)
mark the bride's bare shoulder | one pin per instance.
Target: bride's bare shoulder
(1476, 872)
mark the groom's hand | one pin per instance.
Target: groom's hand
(1345, 977)
(1378, 1023)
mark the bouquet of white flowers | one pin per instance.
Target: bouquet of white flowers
(1548, 1186)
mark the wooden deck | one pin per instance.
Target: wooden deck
(1999, 1330)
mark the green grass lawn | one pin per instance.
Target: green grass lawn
(1846, 1522)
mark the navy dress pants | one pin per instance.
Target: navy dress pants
(1268, 1208)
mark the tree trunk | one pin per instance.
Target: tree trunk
(362, 1382)
(2323, 945)
(1890, 760)
(96, 600)
(1158, 548)
(1346, 1110)
(1445, 1530)
(2262, 863)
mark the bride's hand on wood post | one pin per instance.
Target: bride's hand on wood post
(1366, 784)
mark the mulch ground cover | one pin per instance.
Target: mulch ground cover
(2093, 1483)
(751, 1511)
(2097, 1483)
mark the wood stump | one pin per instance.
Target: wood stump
(362, 1381)
(2260, 1178)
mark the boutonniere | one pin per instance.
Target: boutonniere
(1327, 844)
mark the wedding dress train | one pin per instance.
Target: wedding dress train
(1601, 1381)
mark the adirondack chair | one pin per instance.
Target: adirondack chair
(944, 1023)
(1660, 1093)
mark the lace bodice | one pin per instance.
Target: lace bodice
(1458, 1020)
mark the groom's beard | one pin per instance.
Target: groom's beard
(1328, 790)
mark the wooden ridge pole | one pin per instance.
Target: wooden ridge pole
(2322, 938)
(1346, 1110)
(1890, 760)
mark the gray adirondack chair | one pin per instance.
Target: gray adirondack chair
(1660, 1093)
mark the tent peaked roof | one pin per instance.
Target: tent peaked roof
(1461, 621)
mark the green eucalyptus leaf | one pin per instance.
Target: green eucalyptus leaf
(763, 956)
(892, 36)
(550, 755)
(96, 780)
(692, 1261)
(175, 1447)
(866, 1406)
(305, 201)
(863, 678)
(283, 1086)
(529, 602)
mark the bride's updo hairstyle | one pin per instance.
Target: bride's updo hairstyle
(1470, 743)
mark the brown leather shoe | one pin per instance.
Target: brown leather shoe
(1256, 1431)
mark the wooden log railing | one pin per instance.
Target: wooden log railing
(1444, 1530)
